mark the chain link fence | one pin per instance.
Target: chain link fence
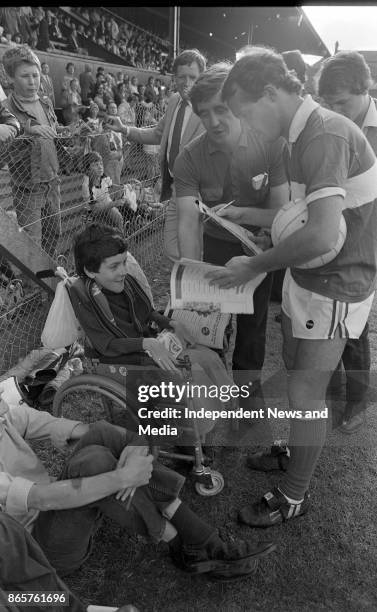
(49, 191)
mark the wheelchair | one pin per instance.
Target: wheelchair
(92, 396)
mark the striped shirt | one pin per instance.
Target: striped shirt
(330, 156)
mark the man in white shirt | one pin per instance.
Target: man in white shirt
(179, 126)
(107, 474)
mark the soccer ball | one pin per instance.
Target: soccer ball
(293, 216)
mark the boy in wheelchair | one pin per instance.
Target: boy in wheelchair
(115, 310)
(106, 464)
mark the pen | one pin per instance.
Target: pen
(222, 208)
(225, 206)
(130, 498)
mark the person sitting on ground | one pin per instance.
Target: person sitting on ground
(25, 568)
(107, 464)
(101, 257)
(97, 192)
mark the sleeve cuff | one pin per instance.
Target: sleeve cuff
(62, 433)
(326, 192)
(17, 496)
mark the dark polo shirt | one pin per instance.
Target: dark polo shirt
(216, 176)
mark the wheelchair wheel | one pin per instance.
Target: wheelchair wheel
(90, 398)
(217, 482)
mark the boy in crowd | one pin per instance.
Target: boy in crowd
(333, 167)
(100, 193)
(343, 84)
(33, 163)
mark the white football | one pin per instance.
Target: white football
(293, 216)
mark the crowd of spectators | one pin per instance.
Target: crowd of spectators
(137, 103)
(135, 46)
(49, 29)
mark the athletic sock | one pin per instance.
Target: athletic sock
(191, 529)
(306, 441)
(290, 500)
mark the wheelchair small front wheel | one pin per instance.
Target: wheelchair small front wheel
(217, 485)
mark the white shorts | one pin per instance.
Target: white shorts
(316, 317)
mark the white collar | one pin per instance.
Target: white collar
(370, 119)
(300, 117)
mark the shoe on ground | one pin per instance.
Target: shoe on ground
(277, 458)
(353, 424)
(272, 509)
(231, 561)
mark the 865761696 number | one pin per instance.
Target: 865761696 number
(42, 598)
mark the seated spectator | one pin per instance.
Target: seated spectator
(33, 163)
(17, 39)
(71, 103)
(87, 84)
(100, 75)
(157, 86)
(107, 463)
(133, 85)
(109, 88)
(43, 43)
(73, 41)
(150, 90)
(8, 39)
(9, 17)
(126, 110)
(69, 75)
(81, 30)
(46, 86)
(119, 79)
(110, 146)
(97, 192)
(127, 82)
(101, 100)
(121, 93)
(133, 311)
(93, 120)
(141, 92)
(55, 32)
(162, 102)
(3, 38)
(34, 26)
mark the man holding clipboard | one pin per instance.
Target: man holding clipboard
(228, 163)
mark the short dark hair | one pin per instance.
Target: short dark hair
(345, 70)
(187, 57)
(90, 158)
(69, 64)
(208, 84)
(260, 67)
(296, 62)
(94, 244)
